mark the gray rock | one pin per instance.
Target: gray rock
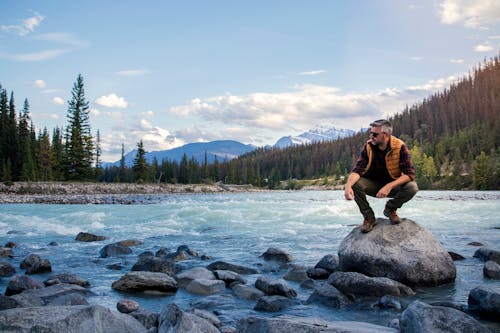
(485, 302)
(456, 256)
(184, 278)
(5, 251)
(7, 302)
(287, 324)
(33, 264)
(145, 281)
(6, 269)
(187, 250)
(405, 252)
(206, 287)
(173, 320)
(221, 265)
(247, 292)
(229, 277)
(210, 316)
(277, 255)
(129, 242)
(389, 302)
(491, 270)
(68, 319)
(155, 264)
(330, 262)
(486, 253)
(59, 294)
(274, 303)
(352, 283)
(127, 306)
(297, 274)
(328, 295)
(318, 273)
(420, 317)
(66, 278)
(147, 318)
(274, 287)
(114, 250)
(87, 237)
(20, 283)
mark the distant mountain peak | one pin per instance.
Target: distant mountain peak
(319, 133)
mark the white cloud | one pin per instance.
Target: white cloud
(34, 56)
(457, 61)
(63, 38)
(58, 101)
(483, 48)
(95, 112)
(416, 58)
(472, 13)
(313, 73)
(112, 101)
(40, 84)
(26, 27)
(133, 72)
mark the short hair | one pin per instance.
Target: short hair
(385, 124)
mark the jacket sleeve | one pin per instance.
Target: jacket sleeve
(362, 162)
(405, 163)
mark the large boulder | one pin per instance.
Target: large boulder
(33, 264)
(405, 252)
(328, 295)
(485, 302)
(173, 320)
(486, 254)
(66, 278)
(20, 283)
(420, 317)
(155, 264)
(68, 319)
(6, 269)
(58, 294)
(286, 324)
(272, 286)
(145, 282)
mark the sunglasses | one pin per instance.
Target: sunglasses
(375, 134)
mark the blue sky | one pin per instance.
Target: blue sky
(174, 72)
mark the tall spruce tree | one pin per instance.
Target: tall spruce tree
(26, 152)
(98, 162)
(140, 167)
(79, 147)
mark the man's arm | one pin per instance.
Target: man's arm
(387, 188)
(351, 180)
(407, 173)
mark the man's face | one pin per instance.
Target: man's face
(377, 137)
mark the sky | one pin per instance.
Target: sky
(176, 72)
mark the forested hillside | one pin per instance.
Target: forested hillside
(454, 138)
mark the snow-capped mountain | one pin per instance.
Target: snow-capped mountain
(224, 150)
(317, 134)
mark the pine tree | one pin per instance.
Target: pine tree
(184, 170)
(79, 148)
(58, 153)
(98, 162)
(26, 154)
(140, 167)
(45, 157)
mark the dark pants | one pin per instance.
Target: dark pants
(399, 195)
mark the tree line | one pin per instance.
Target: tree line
(453, 138)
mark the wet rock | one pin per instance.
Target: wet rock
(389, 302)
(147, 318)
(420, 317)
(297, 274)
(206, 287)
(221, 265)
(127, 306)
(173, 319)
(187, 250)
(162, 252)
(277, 255)
(6, 269)
(328, 295)
(10, 245)
(485, 302)
(59, 294)
(7, 302)
(155, 264)
(318, 273)
(491, 270)
(330, 263)
(87, 237)
(285, 324)
(456, 256)
(184, 278)
(211, 317)
(229, 277)
(115, 267)
(310, 284)
(274, 303)
(129, 242)
(274, 287)
(33, 264)
(486, 254)
(357, 284)
(114, 250)
(78, 318)
(475, 244)
(69, 278)
(20, 283)
(247, 292)
(5, 251)
(406, 252)
(145, 281)
(53, 243)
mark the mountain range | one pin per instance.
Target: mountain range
(228, 149)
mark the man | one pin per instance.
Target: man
(384, 169)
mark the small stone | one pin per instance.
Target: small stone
(127, 306)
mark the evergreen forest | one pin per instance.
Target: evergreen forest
(453, 137)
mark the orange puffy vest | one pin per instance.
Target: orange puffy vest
(391, 158)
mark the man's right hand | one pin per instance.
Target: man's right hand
(349, 193)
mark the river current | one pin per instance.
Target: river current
(238, 228)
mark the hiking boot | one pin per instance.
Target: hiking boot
(391, 214)
(368, 224)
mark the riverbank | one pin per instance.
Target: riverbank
(106, 193)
